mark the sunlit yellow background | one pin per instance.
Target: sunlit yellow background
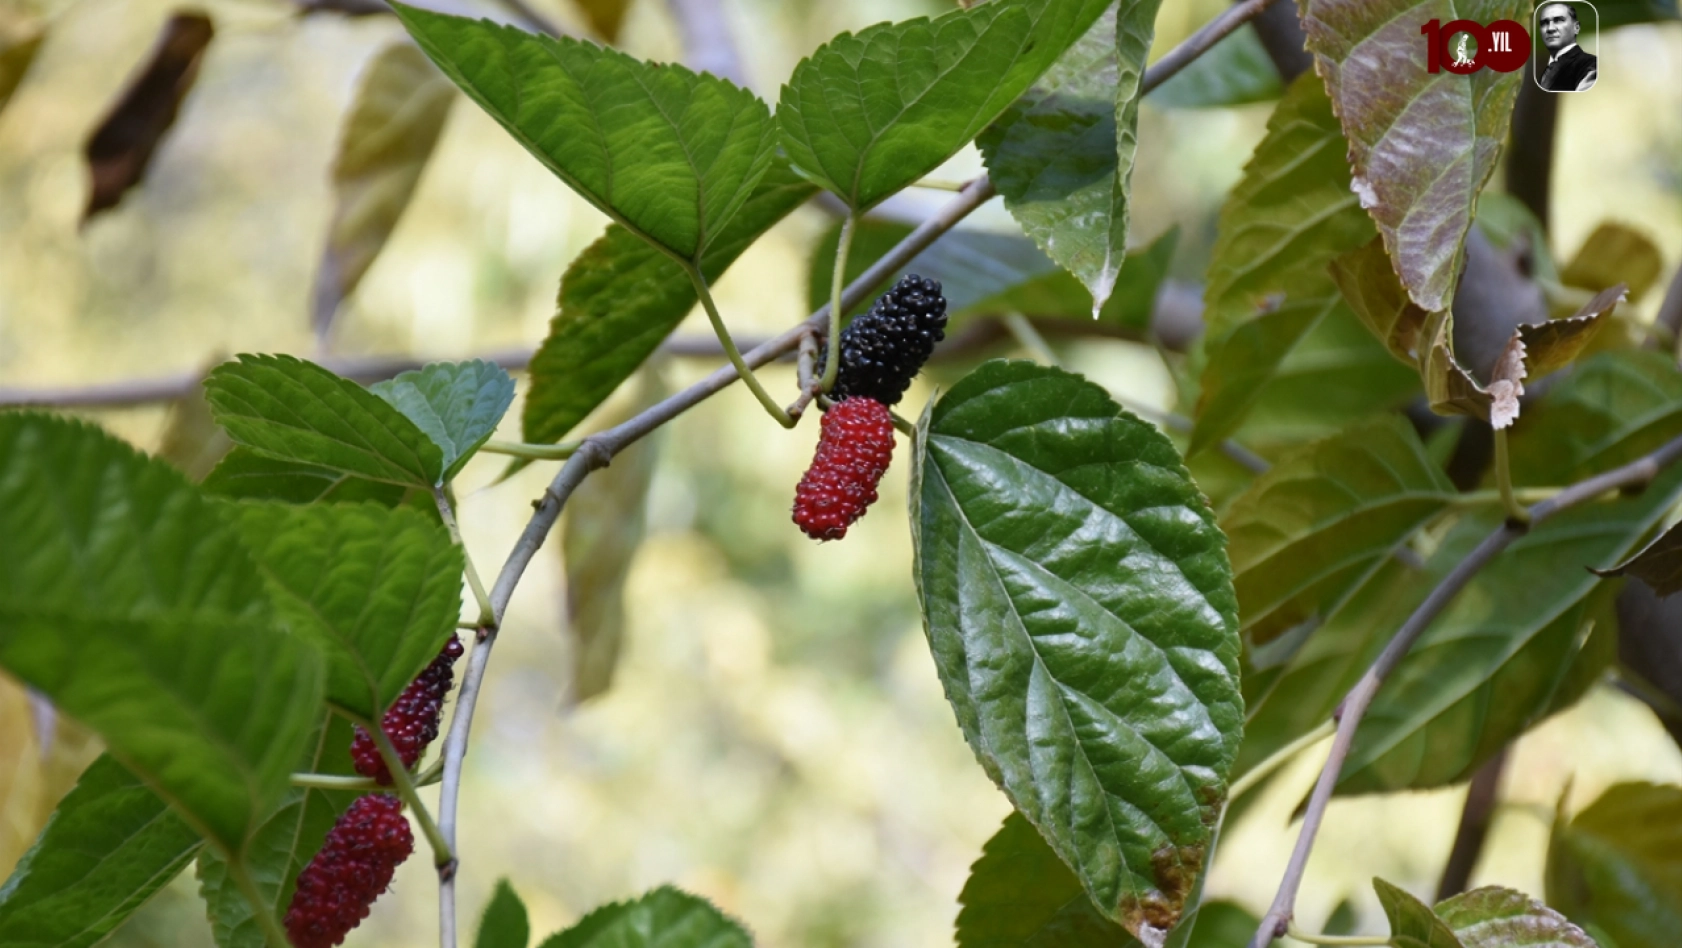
(776, 739)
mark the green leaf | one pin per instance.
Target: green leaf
(504, 924)
(192, 441)
(1237, 71)
(1610, 410)
(1659, 564)
(1368, 282)
(869, 113)
(294, 410)
(1493, 917)
(599, 541)
(1421, 145)
(1078, 601)
(1617, 866)
(457, 404)
(1616, 13)
(667, 153)
(1289, 216)
(377, 590)
(283, 846)
(389, 134)
(1317, 524)
(18, 45)
(1062, 155)
(1412, 923)
(111, 843)
(245, 474)
(131, 603)
(1020, 894)
(663, 918)
(984, 272)
(1611, 255)
(619, 300)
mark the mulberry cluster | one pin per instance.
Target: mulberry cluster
(854, 447)
(350, 871)
(883, 350)
(412, 722)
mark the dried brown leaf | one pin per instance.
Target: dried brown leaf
(1553, 345)
(122, 145)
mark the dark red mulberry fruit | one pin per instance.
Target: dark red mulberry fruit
(412, 722)
(883, 350)
(349, 872)
(854, 447)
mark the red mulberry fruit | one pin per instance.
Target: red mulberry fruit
(412, 722)
(854, 447)
(883, 350)
(350, 871)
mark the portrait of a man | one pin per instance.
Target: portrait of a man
(1567, 67)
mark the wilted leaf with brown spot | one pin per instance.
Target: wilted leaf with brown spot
(1659, 565)
(388, 135)
(1421, 145)
(122, 145)
(1611, 255)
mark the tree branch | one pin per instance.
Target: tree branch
(1354, 705)
(1530, 156)
(1481, 798)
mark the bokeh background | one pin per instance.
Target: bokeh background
(775, 738)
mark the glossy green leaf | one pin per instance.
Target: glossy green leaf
(1078, 601)
(388, 136)
(245, 474)
(111, 843)
(1421, 145)
(283, 845)
(457, 404)
(869, 113)
(1616, 867)
(1062, 155)
(294, 410)
(984, 272)
(1659, 564)
(1610, 410)
(620, 299)
(1288, 218)
(504, 923)
(131, 603)
(1493, 917)
(600, 539)
(664, 918)
(1237, 71)
(1318, 523)
(1412, 923)
(377, 590)
(1021, 895)
(669, 154)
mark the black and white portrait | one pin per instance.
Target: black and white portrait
(1563, 65)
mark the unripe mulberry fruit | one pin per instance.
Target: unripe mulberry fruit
(412, 722)
(352, 868)
(854, 447)
(883, 350)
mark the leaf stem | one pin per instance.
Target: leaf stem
(401, 781)
(938, 184)
(486, 613)
(531, 452)
(1029, 338)
(1318, 939)
(1504, 479)
(425, 778)
(1528, 495)
(843, 248)
(260, 910)
(735, 355)
(904, 425)
(1277, 759)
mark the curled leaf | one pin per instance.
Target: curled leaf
(1659, 565)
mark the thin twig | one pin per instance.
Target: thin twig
(1354, 705)
(1029, 339)
(1481, 799)
(1669, 317)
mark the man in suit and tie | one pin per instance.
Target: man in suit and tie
(1568, 68)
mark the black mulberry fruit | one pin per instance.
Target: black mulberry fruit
(883, 350)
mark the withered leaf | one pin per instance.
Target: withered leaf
(1553, 345)
(1659, 565)
(1611, 255)
(1370, 285)
(122, 145)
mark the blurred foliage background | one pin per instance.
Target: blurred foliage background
(775, 737)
